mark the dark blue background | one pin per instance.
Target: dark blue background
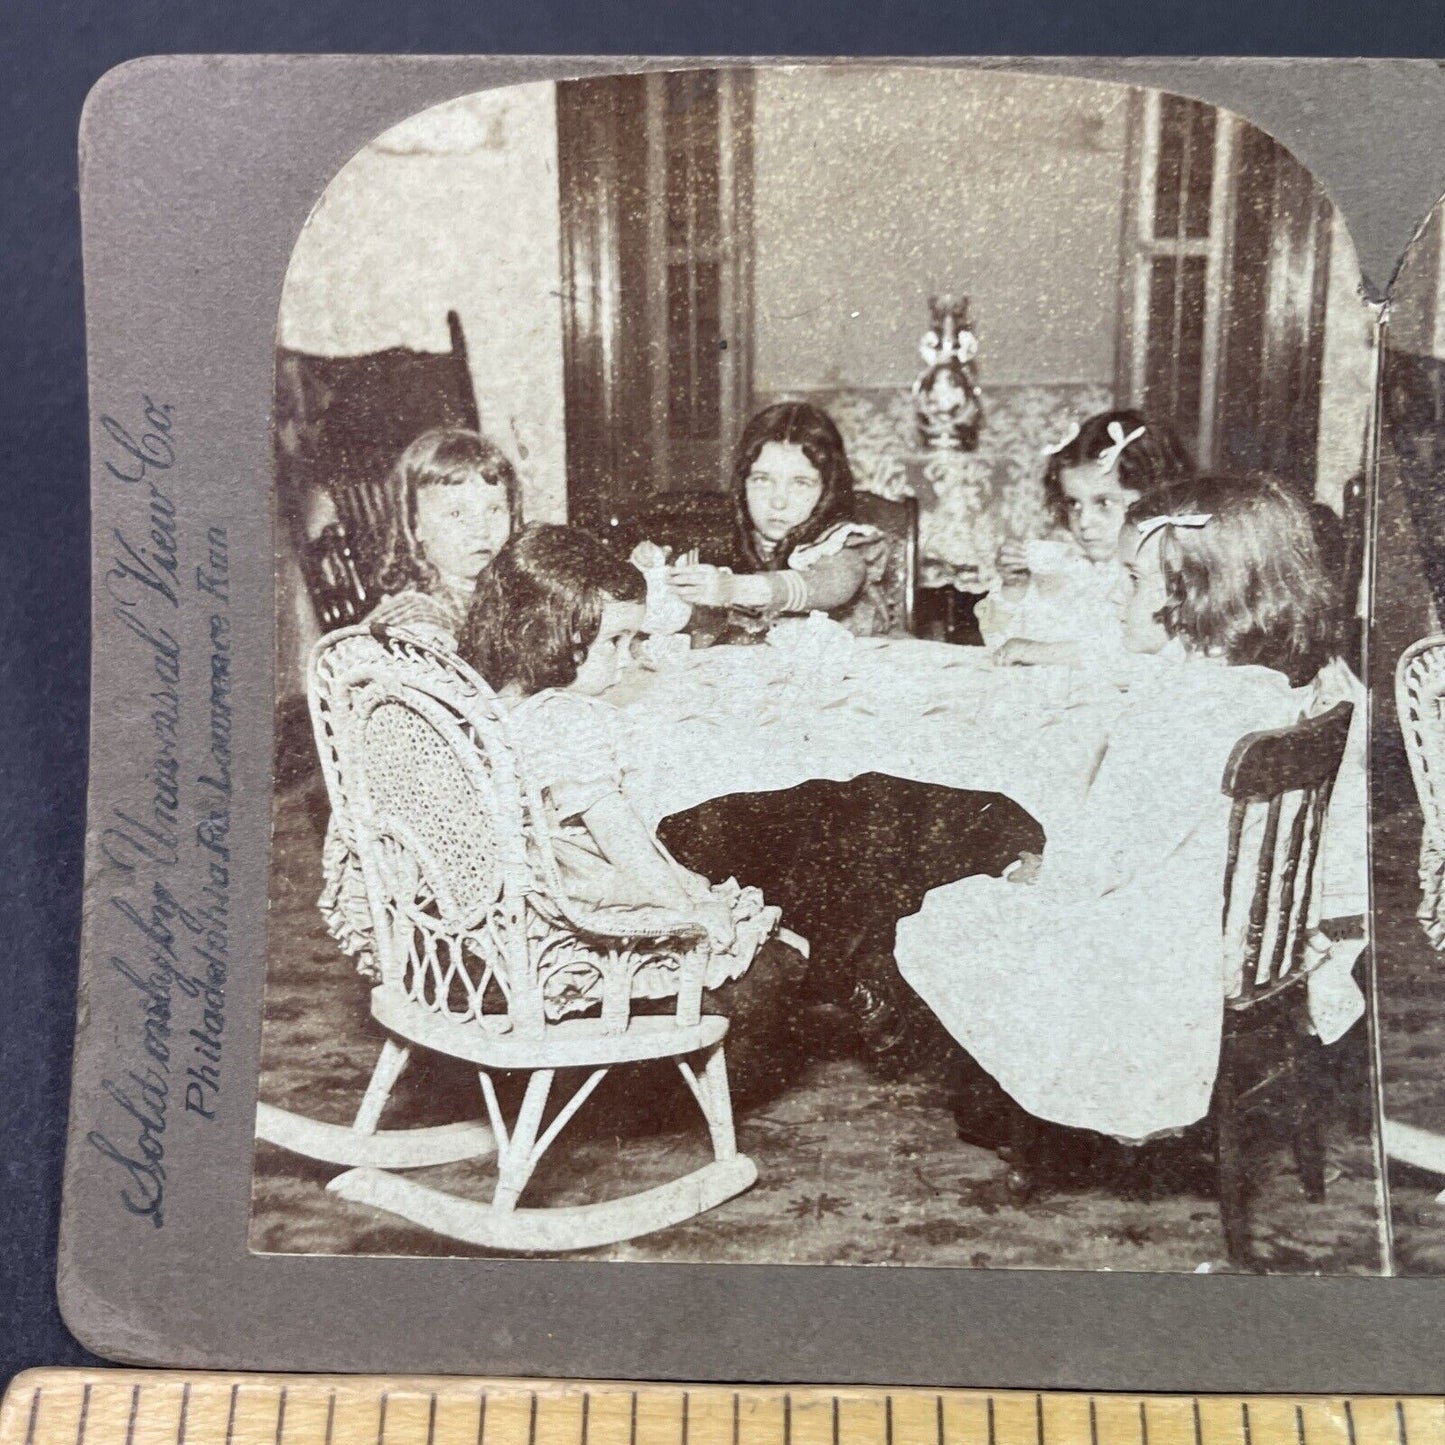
(50, 55)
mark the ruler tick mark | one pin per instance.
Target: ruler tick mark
(888, 1419)
(330, 1414)
(586, 1411)
(185, 1413)
(787, 1418)
(991, 1438)
(34, 1415)
(632, 1424)
(481, 1417)
(1350, 1422)
(1299, 1425)
(737, 1416)
(84, 1415)
(1143, 1424)
(684, 1417)
(938, 1417)
(532, 1421)
(1039, 1420)
(431, 1419)
(231, 1413)
(134, 1407)
(835, 1420)
(1244, 1422)
(1198, 1424)
(281, 1415)
(381, 1419)
(1400, 1423)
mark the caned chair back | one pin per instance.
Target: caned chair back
(472, 928)
(424, 792)
(1280, 783)
(1420, 700)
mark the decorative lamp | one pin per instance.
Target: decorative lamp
(946, 395)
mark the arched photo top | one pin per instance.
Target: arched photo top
(864, 365)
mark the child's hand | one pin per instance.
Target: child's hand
(646, 555)
(1013, 561)
(1028, 869)
(702, 585)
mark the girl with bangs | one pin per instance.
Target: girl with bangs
(452, 500)
(1090, 982)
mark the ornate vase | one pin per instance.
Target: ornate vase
(946, 395)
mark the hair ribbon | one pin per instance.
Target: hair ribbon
(1150, 525)
(1067, 439)
(1109, 457)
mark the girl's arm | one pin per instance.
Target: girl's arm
(626, 843)
(629, 846)
(829, 583)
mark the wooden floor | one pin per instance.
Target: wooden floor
(851, 1169)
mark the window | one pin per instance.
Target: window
(1178, 221)
(1225, 271)
(698, 181)
(656, 181)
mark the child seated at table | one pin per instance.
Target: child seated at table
(1055, 602)
(550, 629)
(451, 502)
(798, 548)
(1090, 983)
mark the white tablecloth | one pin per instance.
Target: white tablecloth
(757, 719)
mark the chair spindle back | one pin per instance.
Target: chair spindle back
(1280, 782)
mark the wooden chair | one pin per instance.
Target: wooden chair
(485, 959)
(678, 521)
(340, 424)
(898, 521)
(1279, 783)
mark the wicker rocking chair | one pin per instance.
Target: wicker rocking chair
(483, 957)
(1420, 702)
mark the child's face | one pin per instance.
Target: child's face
(602, 667)
(1140, 593)
(462, 526)
(783, 488)
(1094, 507)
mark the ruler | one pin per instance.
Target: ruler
(145, 1407)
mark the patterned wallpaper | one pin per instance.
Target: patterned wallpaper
(969, 503)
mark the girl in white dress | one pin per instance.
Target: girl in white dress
(1055, 604)
(550, 629)
(1090, 983)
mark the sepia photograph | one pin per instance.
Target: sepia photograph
(821, 627)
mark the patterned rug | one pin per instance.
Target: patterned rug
(852, 1169)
